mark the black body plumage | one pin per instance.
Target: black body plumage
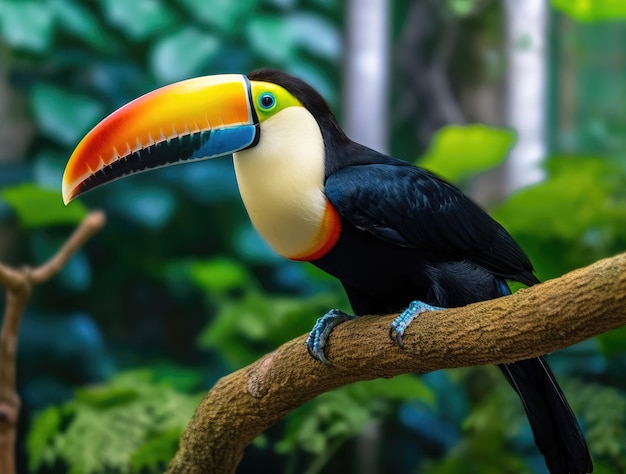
(409, 235)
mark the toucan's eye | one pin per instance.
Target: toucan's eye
(267, 100)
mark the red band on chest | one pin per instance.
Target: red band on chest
(326, 237)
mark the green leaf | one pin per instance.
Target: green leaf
(592, 10)
(271, 38)
(316, 35)
(457, 152)
(247, 327)
(77, 20)
(64, 116)
(37, 207)
(183, 54)
(575, 197)
(176, 377)
(139, 19)
(45, 426)
(27, 24)
(156, 452)
(337, 416)
(406, 387)
(133, 434)
(219, 275)
(604, 411)
(462, 8)
(106, 396)
(223, 14)
(280, 38)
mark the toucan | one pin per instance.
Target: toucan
(398, 238)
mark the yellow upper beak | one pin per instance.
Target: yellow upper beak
(199, 118)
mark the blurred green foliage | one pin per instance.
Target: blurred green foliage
(596, 10)
(132, 424)
(575, 215)
(38, 207)
(459, 152)
(180, 278)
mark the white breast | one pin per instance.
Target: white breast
(281, 181)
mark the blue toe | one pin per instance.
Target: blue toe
(399, 325)
(316, 342)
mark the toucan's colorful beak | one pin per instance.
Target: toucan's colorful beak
(199, 118)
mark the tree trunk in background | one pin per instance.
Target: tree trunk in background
(366, 121)
(16, 129)
(366, 72)
(526, 23)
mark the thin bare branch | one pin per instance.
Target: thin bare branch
(9, 278)
(91, 224)
(19, 285)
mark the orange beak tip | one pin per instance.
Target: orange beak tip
(204, 117)
(66, 193)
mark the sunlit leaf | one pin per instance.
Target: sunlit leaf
(218, 275)
(37, 207)
(27, 24)
(45, 426)
(183, 379)
(264, 320)
(460, 151)
(592, 10)
(461, 8)
(116, 428)
(64, 116)
(572, 199)
(106, 396)
(183, 54)
(406, 387)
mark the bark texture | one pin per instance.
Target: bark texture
(532, 322)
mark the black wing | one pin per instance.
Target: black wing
(410, 207)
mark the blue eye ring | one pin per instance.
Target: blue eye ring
(267, 100)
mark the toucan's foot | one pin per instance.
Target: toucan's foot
(399, 325)
(316, 342)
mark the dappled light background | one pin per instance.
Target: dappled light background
(521, 103)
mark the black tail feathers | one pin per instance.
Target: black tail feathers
(555, 428)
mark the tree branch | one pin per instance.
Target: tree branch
(92, 223)
(532, 322)
(19, 285)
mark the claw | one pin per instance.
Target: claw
(399, 325)
(316, 342)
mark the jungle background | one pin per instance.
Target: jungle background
(178, 289)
